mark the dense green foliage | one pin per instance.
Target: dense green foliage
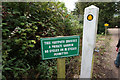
(106, 13)
(22, 27)
(24, 24)
(116, 20)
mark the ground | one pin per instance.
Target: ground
(103, 60)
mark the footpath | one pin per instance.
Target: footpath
(104, 60)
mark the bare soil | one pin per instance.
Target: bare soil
(104, 60)
(103, 67)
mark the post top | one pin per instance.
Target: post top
(92, 6)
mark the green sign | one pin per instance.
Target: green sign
(57, 47)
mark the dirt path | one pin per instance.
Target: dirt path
(113, 53)
(104, 60)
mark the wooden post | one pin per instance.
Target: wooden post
(89, 40)
(61, 68)
(106, 25)
(105, 30)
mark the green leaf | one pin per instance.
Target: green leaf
(19, 69)
(43, 24)
(16, 12)
(15, 75)
(35, 27)
(24, 34)
(7, 68)
(18, 40)
(26, 53)
(40, 22)
(4, 23)
(23, 47)
(5, 30)
(37, 36)
(28, 29)
(32, 41)
(22, 24)
(31, 45)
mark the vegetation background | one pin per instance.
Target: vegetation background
(25, 23)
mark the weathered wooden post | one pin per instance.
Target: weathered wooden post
(89, 40)
(61, 68)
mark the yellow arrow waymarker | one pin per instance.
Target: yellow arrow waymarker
(90, 17)
(106, 24)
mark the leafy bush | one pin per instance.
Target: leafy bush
(22, 27)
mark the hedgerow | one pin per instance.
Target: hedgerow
(23, 25)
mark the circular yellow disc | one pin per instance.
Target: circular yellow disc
(106, 24)
(90, 17)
